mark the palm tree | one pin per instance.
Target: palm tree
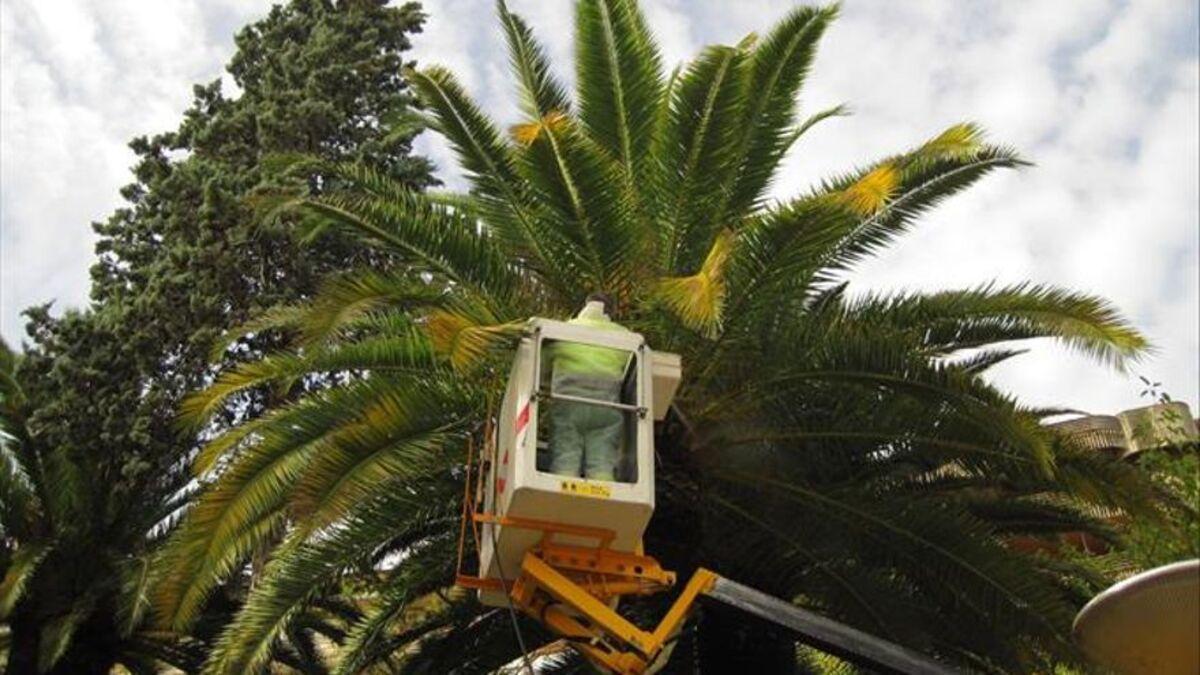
(68, 603)
(73, 588)
(840, 450)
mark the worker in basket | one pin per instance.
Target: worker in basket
(585, 438)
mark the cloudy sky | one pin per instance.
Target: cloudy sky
(1101, 94)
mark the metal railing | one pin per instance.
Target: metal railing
(628, 407)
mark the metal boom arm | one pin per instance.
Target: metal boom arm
(613, 643)
(829, 636)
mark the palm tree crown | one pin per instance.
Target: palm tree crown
(842, 451)
(74, 567)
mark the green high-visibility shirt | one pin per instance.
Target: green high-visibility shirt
(573, 358)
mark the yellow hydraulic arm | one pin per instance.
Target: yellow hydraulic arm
(596, 630)
(570, 590)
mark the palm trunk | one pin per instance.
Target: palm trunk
(23, 651)
(732, 642)
(725, 640)
(93, 650)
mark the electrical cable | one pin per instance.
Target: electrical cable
(512, 612)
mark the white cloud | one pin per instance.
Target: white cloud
(1102, 94)
(79, 79)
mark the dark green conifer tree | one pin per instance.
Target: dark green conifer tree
(181, 262)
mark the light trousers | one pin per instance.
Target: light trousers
(585, 439)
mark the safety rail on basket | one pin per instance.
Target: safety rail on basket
(627, 407)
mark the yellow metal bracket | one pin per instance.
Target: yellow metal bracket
(603, 538)
(578, 611)
(570, 589)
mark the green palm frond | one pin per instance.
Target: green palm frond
(313, 460)
(21, 569)
(949, 554)
(396, 353)
(1094, 479)
(194, 573)
(403, 614)
(620, 81)
(282, 317)
(344, 300)
(955, 320)
(888, 197)
(504, 200)
(68, 491)
(779, 65)
(701, 144)
(874, 365)
(445, 634)
(56, 634)
(438, 240)
(480, 146)
(1039, 517)
(297, 575)
(586, 194)
(248, 501)
(982, 361)
(12, 397)
(840, 110)
(377, 455)
(541, 94)
(20, 482)
(809, 239)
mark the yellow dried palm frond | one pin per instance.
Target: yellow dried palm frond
(699, 300)
(872, 192)
(526, 133)
(956, 141)
(462, 339)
